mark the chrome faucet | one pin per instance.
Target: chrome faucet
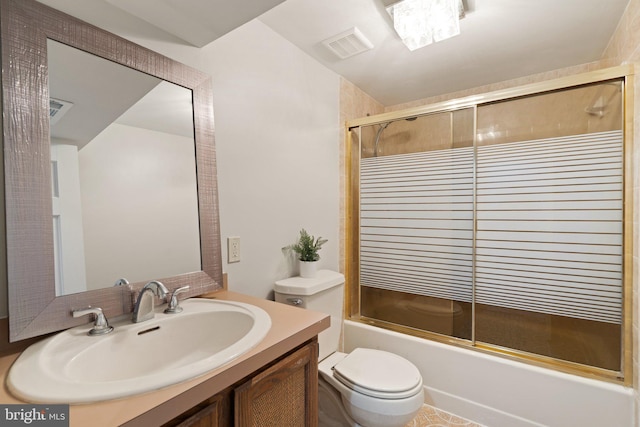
(143, 308)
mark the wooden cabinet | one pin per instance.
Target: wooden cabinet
(283, 393)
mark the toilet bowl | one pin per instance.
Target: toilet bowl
(367, 387)
(376, 388)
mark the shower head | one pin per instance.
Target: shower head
(598, 105)
(382, 127)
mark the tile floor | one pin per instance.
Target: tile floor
(432, 417)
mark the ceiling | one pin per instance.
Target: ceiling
(119, 94)
(499, 40)
(198, 22)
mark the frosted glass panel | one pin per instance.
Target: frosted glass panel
(416, 223)
(555, 248)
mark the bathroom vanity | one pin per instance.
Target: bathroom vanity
(276, 380)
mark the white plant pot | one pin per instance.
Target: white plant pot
(308, 269)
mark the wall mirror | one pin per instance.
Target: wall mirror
(123, 173)
(66, 254)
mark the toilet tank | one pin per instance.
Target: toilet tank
(323, 293)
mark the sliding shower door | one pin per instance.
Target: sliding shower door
(500, 225)
(549, 225)
(416, 224)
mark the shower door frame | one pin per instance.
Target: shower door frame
(625, 73)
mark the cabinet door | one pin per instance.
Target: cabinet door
(214, 412)
(283, 395)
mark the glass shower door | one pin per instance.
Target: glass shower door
(416, 223)
(549, 225)
(500, 225)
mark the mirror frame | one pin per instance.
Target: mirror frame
(34, 308)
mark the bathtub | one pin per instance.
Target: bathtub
(498, 392)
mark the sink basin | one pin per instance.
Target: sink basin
(72, 367)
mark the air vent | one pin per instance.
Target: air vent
(348, 43)
(57, 109)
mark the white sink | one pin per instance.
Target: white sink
(72, 367)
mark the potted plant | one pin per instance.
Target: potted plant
(307, 248)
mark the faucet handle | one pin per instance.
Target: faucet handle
(121, 282)
(173, 304)
(100, 326)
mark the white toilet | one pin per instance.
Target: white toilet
(367, 387)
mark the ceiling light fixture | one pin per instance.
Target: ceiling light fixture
(422, 22)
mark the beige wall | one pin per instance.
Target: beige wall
(556, 114)
(354, 103)
(624, 47)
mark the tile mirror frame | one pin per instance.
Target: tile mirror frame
(34, 308)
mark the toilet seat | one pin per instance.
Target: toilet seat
(379, 374)
(375, 406)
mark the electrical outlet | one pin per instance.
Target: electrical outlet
(233, 249)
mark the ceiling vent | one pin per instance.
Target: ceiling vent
(348, 43)
(57, 109)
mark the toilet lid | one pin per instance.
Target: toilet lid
(378, 373)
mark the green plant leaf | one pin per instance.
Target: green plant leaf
(307, 246)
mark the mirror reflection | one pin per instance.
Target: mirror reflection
(123, 173)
